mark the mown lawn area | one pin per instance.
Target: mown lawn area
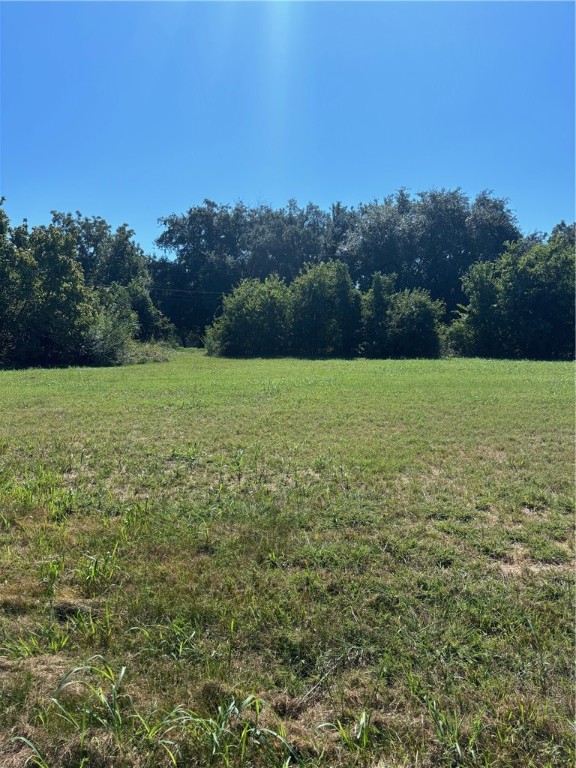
(287, 562)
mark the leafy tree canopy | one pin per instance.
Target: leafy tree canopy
(522, 305)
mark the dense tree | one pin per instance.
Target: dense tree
(443, 246)
(428, 242)
(413, 321)
(204, 229)
(282, 241)
(254, 322)
(490, 225)
(479, 327)
(563, 236)
(110, 258)
(522, 305)
(207, 246)
(106, 257)
(152, 325)
(375, 305)
(49, 315)
(317, 316)
(537, 301)
(172, 294)
(92, 238)
(19, 287)
(45, 308)
(376, 244)
(325, 311)
(340, 221)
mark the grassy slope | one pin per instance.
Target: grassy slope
(384, 545)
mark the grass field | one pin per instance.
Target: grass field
(273, 563)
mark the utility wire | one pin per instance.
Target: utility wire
(183, 290)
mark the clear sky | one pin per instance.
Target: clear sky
(136, 110)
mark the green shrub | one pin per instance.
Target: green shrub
(254, 322)
(413, 322)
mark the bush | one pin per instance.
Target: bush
(108, 339)
(325, 312)
(375, 306)
(457, 340)
(254, 322)
(413, 321)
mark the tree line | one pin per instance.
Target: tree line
(402, 277)
(428, 241)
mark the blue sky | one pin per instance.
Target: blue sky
(133, 111)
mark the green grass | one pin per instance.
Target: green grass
(271, 563)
